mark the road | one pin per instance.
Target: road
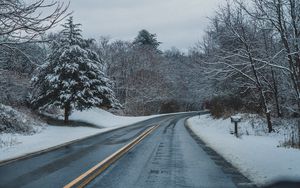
(168, 157)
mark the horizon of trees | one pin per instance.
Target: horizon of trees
(248, 61)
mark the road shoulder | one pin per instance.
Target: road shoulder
(238, 178)
(49, 140)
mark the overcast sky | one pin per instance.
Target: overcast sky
(178, 23)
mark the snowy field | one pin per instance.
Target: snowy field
(255, 153)
(15, 145)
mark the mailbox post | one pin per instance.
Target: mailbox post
(235, 120)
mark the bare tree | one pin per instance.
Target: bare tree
(22, 22)
(239, 57)
(284, 17)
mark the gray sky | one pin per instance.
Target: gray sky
(178, 23)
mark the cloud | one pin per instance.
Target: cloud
(177, 23)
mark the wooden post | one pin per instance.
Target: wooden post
(236, 129)
(235, 120)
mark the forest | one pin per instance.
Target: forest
(110, 102)
(247, 61)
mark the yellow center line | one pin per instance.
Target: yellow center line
(92, 173)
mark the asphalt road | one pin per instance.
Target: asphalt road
(168, 157)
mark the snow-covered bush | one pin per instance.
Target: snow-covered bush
(13, 121)
(251, 124)
(291, 131)
(286, 130)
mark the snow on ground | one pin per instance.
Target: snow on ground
(51, 136)
(13, 145)
(103, 118)
(256, 154)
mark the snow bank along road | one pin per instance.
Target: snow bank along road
(168, 157)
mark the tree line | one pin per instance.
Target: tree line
(70, 72)
(251, 52)
(248, 60)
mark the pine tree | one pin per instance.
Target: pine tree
(72, 78)
(145, 38)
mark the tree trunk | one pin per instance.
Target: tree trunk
(270, 128)
(277, 106)
(67, 113)
(260, 88)
(276, 94)
(282, 29)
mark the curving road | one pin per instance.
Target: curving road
(168, 157)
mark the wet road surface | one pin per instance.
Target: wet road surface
(168, 157)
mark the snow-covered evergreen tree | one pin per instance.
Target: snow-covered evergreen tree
(72, 78)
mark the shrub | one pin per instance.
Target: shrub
(220, 105)
(169, 107)
(13, 121)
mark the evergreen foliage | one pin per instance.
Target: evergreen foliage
(72, 78)
(145, 38)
